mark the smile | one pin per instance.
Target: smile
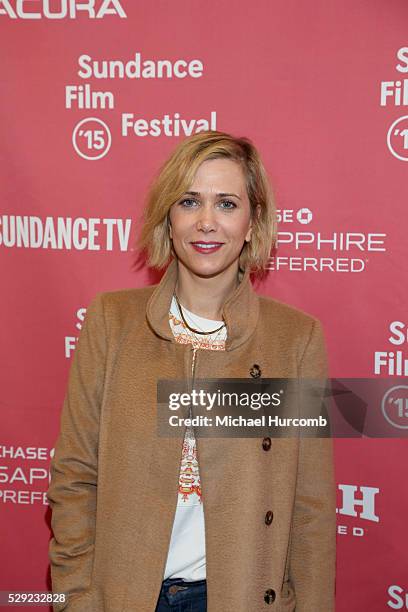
(207, 247)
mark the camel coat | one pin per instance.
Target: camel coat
(269, 505)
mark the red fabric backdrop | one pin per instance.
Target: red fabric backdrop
(320, 91)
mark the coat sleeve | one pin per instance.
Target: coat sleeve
(312, 562)
(72, 491)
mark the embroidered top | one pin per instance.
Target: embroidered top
(186, 556)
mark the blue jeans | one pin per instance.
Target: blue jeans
(176, 595)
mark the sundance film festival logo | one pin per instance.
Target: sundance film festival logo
(393, 362)
(60, 9)
(394, 93)
(398, 597)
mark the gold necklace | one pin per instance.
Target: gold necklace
(196, 331)
(196, 341)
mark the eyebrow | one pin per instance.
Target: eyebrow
(221, 194)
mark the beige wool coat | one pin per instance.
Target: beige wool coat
(114, 480)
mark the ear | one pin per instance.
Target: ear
(170, 228)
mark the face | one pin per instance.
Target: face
(211, 222)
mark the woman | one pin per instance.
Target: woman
(144, 522)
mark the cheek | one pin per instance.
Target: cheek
(179, 226)
(236, 229)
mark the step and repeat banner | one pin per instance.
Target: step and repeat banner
(94, 97)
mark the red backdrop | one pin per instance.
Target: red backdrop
(321, 94)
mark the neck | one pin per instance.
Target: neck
(205, 296)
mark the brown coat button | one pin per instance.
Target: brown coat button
(269, 596)
(266, 444)
(269, 517)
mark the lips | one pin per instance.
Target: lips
(206, 247)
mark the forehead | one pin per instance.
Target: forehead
(219, 174)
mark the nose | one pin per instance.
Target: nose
(206, 219)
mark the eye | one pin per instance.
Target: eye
(224, 204)
(231, 205)
(186, 202)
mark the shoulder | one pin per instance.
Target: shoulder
(274, 311)
(122, 304)
(291, 329)
(127, 298)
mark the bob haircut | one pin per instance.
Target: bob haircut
(175, 177)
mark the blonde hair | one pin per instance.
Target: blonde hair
(175, 177)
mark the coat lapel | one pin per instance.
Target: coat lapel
(240, 311)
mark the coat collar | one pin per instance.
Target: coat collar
(240, 311)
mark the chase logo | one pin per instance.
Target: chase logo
(304, 216)
(60, 9)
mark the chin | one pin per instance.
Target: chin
(207, 273)
(207, 269)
